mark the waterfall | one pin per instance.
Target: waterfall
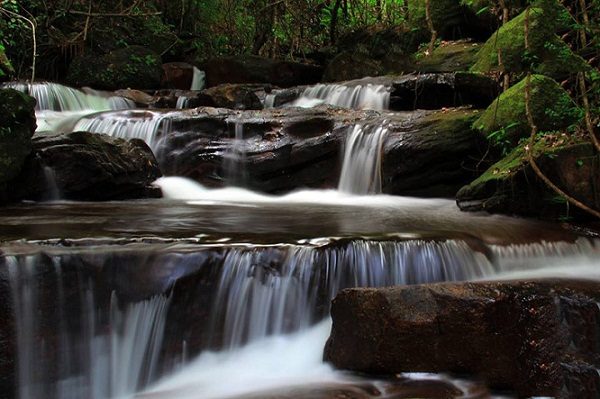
(56, 97)
(375, 97)
(112, 354)
(145, 125)
(361, 169)
(234, 160)
(182, 102)
(198, 79)
(264, 292)
(270, 101)
(51, 185)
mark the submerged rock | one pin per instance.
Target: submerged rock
(86, 166)
(254, 69)
(17, 125)
(536, 338)
(511, 186)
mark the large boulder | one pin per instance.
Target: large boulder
(453, 56)
(349, 66)
(546, 54)
(17, 125)
(254, 69)
(86, 166)
(511, 186)
(233, 96)
(6, 68)
(505, 120)
(132, 67)
(535, 338)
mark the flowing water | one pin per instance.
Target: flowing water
(225, 293)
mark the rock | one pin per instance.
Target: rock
(8, 349)
(133, 67)
(233, 96)
(505, 120)
(378, 42)
(449, 57)
(547, 53)
(425, 153)
(511, 186)
(141, 99)
(536, 338)
(451, 20)
(432, 156)
(177, 75)
(17, 125)
(254, 69)
(87, 166)
(439, 90)
(348, 66)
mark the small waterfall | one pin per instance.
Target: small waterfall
(375, 97)
(145, 125)
(111, 355)
(361, 169)
(198, 80)
(53, 192)
(270, 101)
(271, 292)
(56, 97)
(182, 102)
(234, 159)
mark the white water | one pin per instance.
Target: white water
(96, 365)
(375, 97)
(198, 79)
(145, 125)
(234, 159)
(361, 170)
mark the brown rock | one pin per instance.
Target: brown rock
(177, 75)
(537, 338)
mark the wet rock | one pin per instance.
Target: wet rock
(432, 155)
(141, 99)
(134, 67)
(233, 96)
(511, 186)
(438, 90)
(514, 335)
(253, 69)
(17, 125)
(8, 349)
(177, 75)
(86, 166)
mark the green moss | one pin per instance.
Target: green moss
(546, 54)
(449, 57)
(6, 68)
(551, 108)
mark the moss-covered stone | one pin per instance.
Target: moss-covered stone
(6, 68)
(505, 120)
(132, 67)
(511, 186)
(17, 125)
(449, 57)
(348, 66)
(547, 53)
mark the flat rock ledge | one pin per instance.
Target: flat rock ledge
(537, 338)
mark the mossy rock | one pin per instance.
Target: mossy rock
(547, 53)
(17, 125)
(512, 187)
(349, 66)
(133, 67)
(378, 43)
(449, 57)
(551, 107)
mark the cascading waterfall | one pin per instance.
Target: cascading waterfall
(101, 360)
(361, 169)
(145, 125)
(370, 96)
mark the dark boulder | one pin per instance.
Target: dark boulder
(454, 56)
(133, 67)
(233, 96)
(17, 125)
(535, 338)
(86, 166)
(438, 90)
(177, 75)
(254, 69)
(351, 65)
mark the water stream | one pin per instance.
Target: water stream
(225, 293)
